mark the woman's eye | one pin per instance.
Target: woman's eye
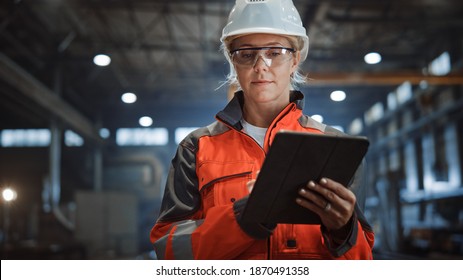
(247, 55)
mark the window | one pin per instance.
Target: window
(72, 139)
(25, 137)
(142, 136)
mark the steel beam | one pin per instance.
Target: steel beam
(381, 79)
(37, 92)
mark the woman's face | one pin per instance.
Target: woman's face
(260, 82)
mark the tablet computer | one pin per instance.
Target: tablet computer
(293, 160)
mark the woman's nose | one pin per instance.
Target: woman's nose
(262, 63)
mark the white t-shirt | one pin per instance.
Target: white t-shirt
(258, 133)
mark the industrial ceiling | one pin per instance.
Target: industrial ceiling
(168, 53)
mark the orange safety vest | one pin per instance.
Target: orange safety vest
(206, 190)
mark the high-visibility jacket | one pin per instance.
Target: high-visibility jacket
(206, 192)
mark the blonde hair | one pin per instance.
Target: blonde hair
(297, 78)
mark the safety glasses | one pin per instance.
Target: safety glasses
(270, 55)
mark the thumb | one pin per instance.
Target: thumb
(250, 185)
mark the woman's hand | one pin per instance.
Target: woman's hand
(333, 202)
(250, 183)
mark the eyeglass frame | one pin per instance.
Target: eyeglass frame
(232, 52)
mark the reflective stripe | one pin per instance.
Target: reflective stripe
(181, 239)
(161, 244)
(160, 247)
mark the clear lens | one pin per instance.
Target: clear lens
(271, 55)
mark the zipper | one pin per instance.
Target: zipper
(245, 135)
(254, 140)
(225, 178)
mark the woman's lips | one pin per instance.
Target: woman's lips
(261, 82)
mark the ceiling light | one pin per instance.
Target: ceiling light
(338, 95)
(105, 133)
(372, 58)
(102, 60)
(145, 121)
(318, 118)
(129, 97)
(9, 194)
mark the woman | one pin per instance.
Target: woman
(215, 167)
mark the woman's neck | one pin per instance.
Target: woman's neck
(261, 115)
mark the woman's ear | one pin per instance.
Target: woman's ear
(296, 60)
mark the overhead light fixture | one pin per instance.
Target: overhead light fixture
(129, 97)
(8, 194)
(105, 133)
(372, 58)
(102, 60)
(338, 95)
(145, 121)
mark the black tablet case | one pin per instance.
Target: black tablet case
(294, 159)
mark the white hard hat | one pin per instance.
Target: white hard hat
(266, 16)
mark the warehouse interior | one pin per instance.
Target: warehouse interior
(83, 166)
